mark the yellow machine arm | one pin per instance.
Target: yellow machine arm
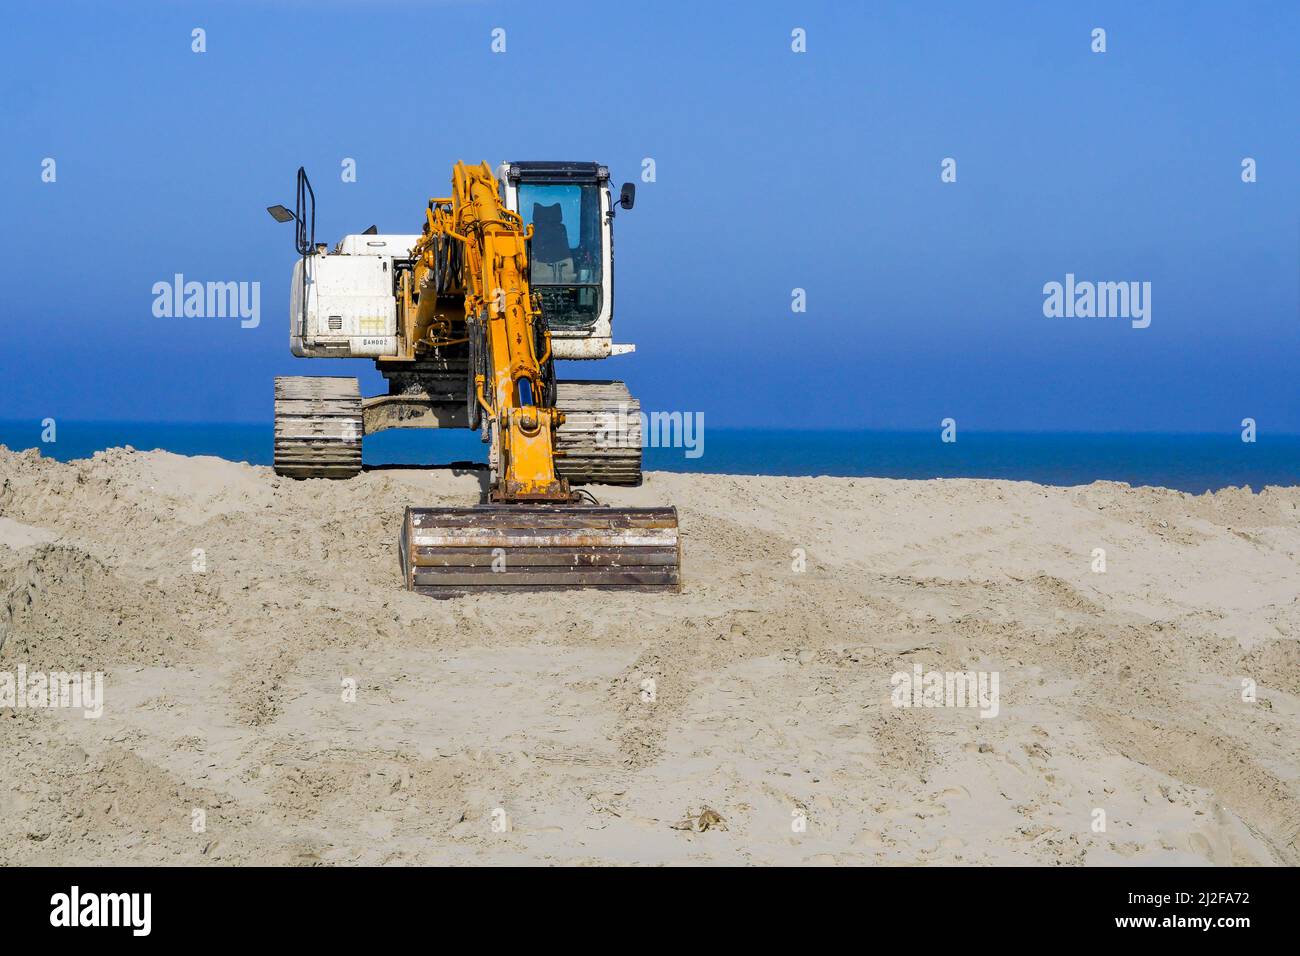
(501, 313)
(532, 533)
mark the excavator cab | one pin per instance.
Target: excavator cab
(571, 212)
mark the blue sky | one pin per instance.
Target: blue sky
(775, 171)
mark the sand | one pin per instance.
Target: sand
(749, 719)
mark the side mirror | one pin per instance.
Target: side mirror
(304, 214)
(627, 195)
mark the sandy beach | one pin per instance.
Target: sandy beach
(271, 695)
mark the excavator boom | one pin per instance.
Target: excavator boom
(533, 532)
(501, 316)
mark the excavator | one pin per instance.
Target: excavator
(465, 322)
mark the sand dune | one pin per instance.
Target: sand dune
(227, 609)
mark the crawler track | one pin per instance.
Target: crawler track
(318, 427)
(600, 440)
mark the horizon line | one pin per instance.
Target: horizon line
(36, 423)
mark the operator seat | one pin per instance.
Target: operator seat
(552, 255)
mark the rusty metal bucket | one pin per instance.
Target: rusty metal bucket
(449, 551)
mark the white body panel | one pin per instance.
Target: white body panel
(351, 311)
(392, 246)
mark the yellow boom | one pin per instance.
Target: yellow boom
(499, 307)
(532, 533)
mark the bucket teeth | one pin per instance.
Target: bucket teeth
(447, 551)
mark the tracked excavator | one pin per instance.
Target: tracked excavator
(465, 321)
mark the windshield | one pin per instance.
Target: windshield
(565, 259)
(566, 232)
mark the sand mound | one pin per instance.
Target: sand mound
(265, 667)
(62, 609)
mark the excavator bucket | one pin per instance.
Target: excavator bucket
(450, 551)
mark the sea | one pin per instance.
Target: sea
(1188, 462)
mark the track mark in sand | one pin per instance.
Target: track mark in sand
(1060, 593)
(1274, 664)
(688, 647)
(1213, 762)
(336, 783)
(902, 740)
(257, 684)
(649, 695)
